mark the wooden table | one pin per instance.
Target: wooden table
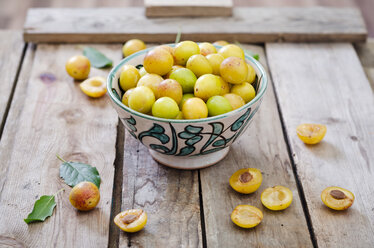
(43, 112)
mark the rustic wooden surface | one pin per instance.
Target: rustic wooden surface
(325, 83)
(264, 25)
(51, 115)
(365, 52)
(203, 8)
(11, 51)
(169, 196)
(256, 149)
(13, 13)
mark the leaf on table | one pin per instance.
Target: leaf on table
(75, 172)
(43, 208)
(97, 59)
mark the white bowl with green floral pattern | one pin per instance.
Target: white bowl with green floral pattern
(186, 144)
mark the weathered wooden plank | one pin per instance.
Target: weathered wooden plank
(246, 25)
(169, 196)
(202, 8)
(325, 83)
(365, 52)
(11, 49)
(51, 115)
(262, 147)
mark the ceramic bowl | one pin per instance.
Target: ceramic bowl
(186, 144)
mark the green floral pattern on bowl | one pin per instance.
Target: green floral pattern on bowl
(185, 138)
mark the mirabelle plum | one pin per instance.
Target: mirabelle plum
(171, 88)
(251, 74)
(173, 69)
(168, 48)
(215, 61)
(194, 108)
(158, 61)
(133, 46)
(179, 116)
(207, 86)
(186, 78)
(141, 99)
(234, 70)
(235, 100)
(125, 97)
(142, 71)
(84, 196)
(199, 65)
(185, 97)
(221, 43)
(276, 198)
(246, 216)
(207, 48)
(337, 198)
(78, 67)
(311, 133)
(184, 50)
(231, 50)
(151, 81)
(218, 105)
(132, 220)
(244, 90)
(246, 180)
(165, 107)
(94, 87)
(129, 77)
(225, 87)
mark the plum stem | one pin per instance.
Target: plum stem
(58, 191)
(62, 160)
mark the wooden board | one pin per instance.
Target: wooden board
(202, 8)
(170, 197)
(325, 83)
(50, 115)
(365, 52)
(264, 25)
(11, 51)
(268, 152)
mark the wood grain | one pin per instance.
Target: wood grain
(202, 8)
(325, 83)
(51, 115)
(11, 49)
(365, 52)
(170, 197)
(262, 146)
(266, 24)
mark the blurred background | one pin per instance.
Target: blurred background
(13, 12)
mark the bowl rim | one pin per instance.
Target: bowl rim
(119, 103)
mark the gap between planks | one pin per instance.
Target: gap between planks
(114, 231)
(14, 85)
(294, 168)
(12, 52)
(23, 152)
(259, 148)
(344, 158)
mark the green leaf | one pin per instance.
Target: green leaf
(43, 208)
(75, 172)
(96, 58)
